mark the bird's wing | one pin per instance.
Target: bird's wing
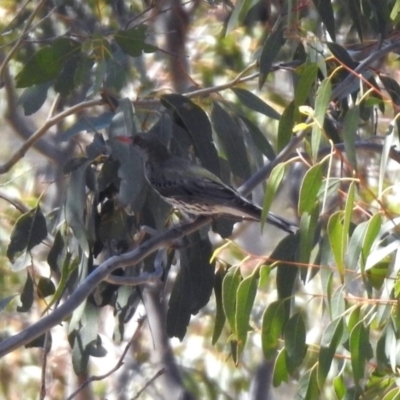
(197, 184)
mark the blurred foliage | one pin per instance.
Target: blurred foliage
(310, 85)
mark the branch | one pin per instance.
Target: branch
(162, 240)
(43, 129)
(342, 89)
(133, 257)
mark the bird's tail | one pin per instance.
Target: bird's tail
(282, 223)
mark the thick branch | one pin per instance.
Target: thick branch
(163, 240)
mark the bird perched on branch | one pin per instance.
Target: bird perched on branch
(194, 189)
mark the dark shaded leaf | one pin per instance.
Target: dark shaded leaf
(45, 287)
(132, 41)
(47, 62)
(41, 341)
(330, 341)
(271, 48)
(193, 285)
(26, 295)
(125, 303)
(325, 10)
(34, 97)
(342, 55)
(260, 140)
(355, 14)
(360, 349)
(197, 124)
(231, 138)
(295, 342)
(66, 81)
(255, 103)
(287, 272)
(29, 231)
(115, 75)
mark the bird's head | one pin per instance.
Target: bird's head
(150, 147)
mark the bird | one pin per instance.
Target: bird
(193, 189)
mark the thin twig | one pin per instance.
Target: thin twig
(43, 129)
(156, 375)
(117, 366)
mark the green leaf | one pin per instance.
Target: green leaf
(309, 189)
(47, 62)
(307, 76)
(270, 50)
(360, 349)
(393, 394)
(29, 231)
(273, 183)
(338, 240)
(197, 124)
(255, 103)
(313, 389)
(331, 339)
(231, 139)
(219, 316)
(132, 41)
(308, 226)
(273, 321)
(286, 124)
(281, 373)
(339, 386)
(295, 342)
(321, 104)
(245, 296)
(286, 276)
(230, 286)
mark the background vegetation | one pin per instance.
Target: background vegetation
(295, 103)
